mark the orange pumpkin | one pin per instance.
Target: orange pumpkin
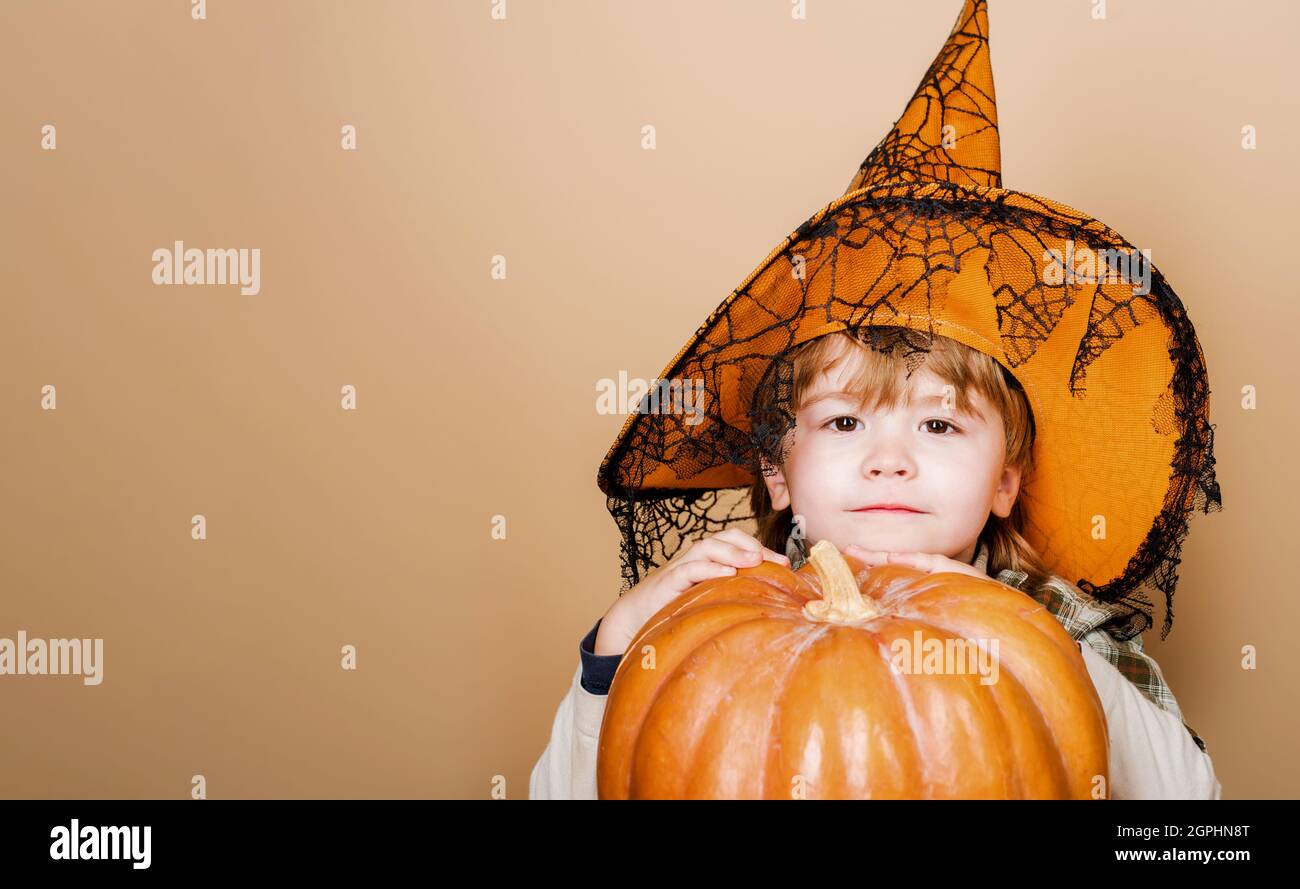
(843, 681)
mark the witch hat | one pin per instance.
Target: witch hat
(927, 239)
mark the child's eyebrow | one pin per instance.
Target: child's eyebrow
(841, 395)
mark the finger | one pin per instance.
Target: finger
(728, 553)
(919, 561)
(701, 550)
(749, 541)
(739, 537)
(870, 556)
(773, 556)
(933, 563)
(957, 567)
(688, 574)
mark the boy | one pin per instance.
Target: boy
(1080, 401)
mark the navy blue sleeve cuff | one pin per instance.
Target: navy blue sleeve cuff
(597, 669)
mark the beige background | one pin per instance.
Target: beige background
(477, 397)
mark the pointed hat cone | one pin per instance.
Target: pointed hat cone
(949, 130)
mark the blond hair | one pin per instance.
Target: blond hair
(881, 380)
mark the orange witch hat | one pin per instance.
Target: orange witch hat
(927, 239)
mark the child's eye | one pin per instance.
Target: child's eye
(835, 425)
(834, 420)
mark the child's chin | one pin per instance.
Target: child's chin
(889, 534)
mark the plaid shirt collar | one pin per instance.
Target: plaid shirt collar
(1078, 612)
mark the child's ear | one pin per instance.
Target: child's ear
(1008, 488)
(777, 490)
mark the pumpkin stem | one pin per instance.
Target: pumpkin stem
(842, 602)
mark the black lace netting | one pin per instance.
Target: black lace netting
(917, 245)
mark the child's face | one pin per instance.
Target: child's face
(946, 465)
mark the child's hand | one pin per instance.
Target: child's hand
(718, 555)
(930, 563)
